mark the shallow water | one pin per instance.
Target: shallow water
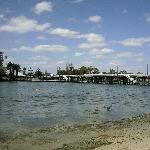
(43, 104)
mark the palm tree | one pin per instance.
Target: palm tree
(9, 67)
(24, 70)
(16, 67)
(38, 73)
(12, 68)
(2, 72)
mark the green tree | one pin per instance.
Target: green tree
(16, 67)
(13, 68)
(2, 69)
(92, 70)
(76, 72)
(62, 72)
(24, 70)
(96, 71)
(112, 71)
(59, 71)
(2, 72)
(46, 74)
(10, 68)
(83, 70)
(123, 72)
(38, 73)
(69, 68)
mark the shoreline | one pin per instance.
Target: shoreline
(58, 81)
(131, 133)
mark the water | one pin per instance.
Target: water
(44, 104)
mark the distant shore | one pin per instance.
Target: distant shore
(122, 79)
(132, 133)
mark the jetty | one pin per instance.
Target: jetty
(124, 79)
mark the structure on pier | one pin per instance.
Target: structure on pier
(126, 79)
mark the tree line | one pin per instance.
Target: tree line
(71, 70)
(14, 69)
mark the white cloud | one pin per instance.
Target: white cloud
(135, 41)
(43, 48)
(124, 55)
(78, 54)
(100, 53)
(41, 38)
(93, 38)
(90, 45)
(124, 11)
(94, 41)
(77, 1)
(60, 62)
(115, 63)
(130, 55)
(86, 63)
(107, 50)
(147, 17)
(64, 32)
(2, 17)
(139, 55)
(43, 7)
(72, 19)
(21, 24)
(40, 58)
(95, 19)
(139, 59)
(37, 61)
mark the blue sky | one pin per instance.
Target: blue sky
(101, 33)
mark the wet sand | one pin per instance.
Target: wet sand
(127, 134)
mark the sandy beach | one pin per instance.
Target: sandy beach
(127, 134)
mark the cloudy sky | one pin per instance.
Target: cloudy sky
(101, 33)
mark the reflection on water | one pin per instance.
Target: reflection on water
(38, 104)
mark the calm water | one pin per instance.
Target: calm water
(39, 104)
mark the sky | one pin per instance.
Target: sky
(47, 34)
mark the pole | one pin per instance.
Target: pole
(147, 69)
(117, 74)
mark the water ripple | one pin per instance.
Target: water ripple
(51, 103)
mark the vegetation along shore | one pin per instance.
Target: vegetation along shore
(14, 72)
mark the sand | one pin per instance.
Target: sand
(126, 134)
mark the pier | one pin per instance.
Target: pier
(125, 79)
